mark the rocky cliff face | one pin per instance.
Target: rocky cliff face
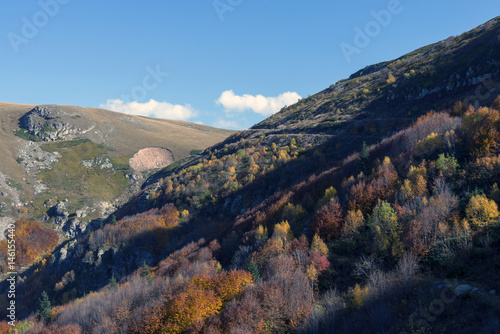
(48, 123)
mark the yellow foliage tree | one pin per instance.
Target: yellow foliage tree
(311, 272)
(407, 189)
(420, 186)
(353, 221)
(261, 233)
(391, 79)
(481, 211)
(253, 168)
(429, 145)
(229, 285)
(359, 295)
(416, 184)
(283, 155)
(319, 245)
(226, 285)
(329, 194)
(416, 171)
(283, 231)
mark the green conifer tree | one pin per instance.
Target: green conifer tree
(44, 308)
(146, 273)
(253, 269)
(112, 281)
(364, 160)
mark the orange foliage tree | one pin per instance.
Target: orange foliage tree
(32, 240)
(190, 308)
(202, 297)
(226, 285)
(5, 327)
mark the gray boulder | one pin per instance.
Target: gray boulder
(462, 290)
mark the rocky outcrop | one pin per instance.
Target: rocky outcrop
(151, 158)
(33, 158)
(73, 228)
(74, 224)
(48, 123)
(101, 162)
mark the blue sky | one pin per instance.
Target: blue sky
(225, 63)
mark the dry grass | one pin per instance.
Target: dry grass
(123, 134)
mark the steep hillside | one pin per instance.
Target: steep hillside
(357, 210)
(380, 97)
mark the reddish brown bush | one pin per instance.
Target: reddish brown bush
(300, 245)
(319, 261)
(285, 301)
(328, 221)
(245, 314)
(361, 197)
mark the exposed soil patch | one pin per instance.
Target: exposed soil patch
(151, 158)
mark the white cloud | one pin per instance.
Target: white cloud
(151, 108)
(225, 124)
(260, 104)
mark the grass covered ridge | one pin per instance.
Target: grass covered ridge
(78, 181)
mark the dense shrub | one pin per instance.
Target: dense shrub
(481, 129)
(32, 240)
(160, 221)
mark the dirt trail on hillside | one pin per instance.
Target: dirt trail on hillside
(151, 158)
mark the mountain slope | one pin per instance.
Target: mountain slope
(296, 226)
